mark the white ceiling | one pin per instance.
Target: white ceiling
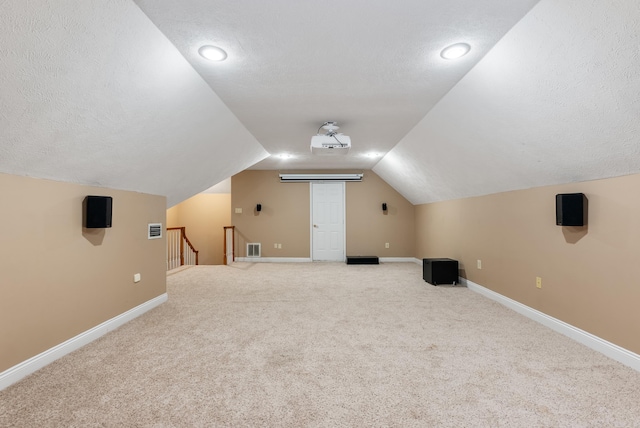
(105, 94)
(373, 66)
(222, 187)
(91, 92)
(557, 100)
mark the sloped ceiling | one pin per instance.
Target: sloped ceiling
(93, 93)
(557, 100)
(102, 93)
(372, 66)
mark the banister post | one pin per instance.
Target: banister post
(182, 233)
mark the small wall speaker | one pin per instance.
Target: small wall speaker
(384, 206)
(259, 207)
(571, 209)
(97, 211)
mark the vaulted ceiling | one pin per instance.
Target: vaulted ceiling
(114, 93)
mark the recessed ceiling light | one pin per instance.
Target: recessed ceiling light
(372, 155)
(285, 156)
(455, 51)
(212, 53)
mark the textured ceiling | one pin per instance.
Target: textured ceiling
(91, 92)
(373, 66)
(557, 100)
(102, 93)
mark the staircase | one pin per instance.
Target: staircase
(180, 251)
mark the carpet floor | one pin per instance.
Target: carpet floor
(326, 345)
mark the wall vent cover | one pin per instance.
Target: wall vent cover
(154, 231)
(253, 250)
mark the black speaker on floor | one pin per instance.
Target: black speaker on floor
(571, 209)
(440, 271)
(97, 211)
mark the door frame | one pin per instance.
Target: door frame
(344, 217)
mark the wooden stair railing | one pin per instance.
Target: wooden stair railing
(180, 251)
(229, 245)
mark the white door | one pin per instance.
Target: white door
(327, 221)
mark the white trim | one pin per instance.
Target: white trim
(344, 221)
(397, 260)
(25, 368)
(273, 259)
(311, 221)
(596, 343)
(307, 259)
(417, 261)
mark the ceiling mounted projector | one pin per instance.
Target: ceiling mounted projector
(330, 143)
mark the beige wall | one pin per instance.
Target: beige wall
(173, 217)
(285, 216)
(369, 228)
(589, 275)
(57, 279)
(204, 217)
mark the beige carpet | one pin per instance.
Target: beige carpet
(327, 345)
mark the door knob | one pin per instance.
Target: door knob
(315, 225)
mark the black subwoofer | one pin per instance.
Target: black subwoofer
(440, 271)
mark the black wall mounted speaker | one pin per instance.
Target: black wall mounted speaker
(571, 209)
(97, 211)
(384, 206)
(259, 207)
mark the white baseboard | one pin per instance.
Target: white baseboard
(307, 260)
(25, 368)
(397, 260)
(596, 343)
(273, 259)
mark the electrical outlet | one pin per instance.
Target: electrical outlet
(479, 264)
(136, 277)
(538, 282)
(279, 246)
(275, 245)
(386, 245)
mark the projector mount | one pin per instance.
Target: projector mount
(331, 127)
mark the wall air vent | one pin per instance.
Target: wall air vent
(154, 231)
(253, 250)
(305, 178)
